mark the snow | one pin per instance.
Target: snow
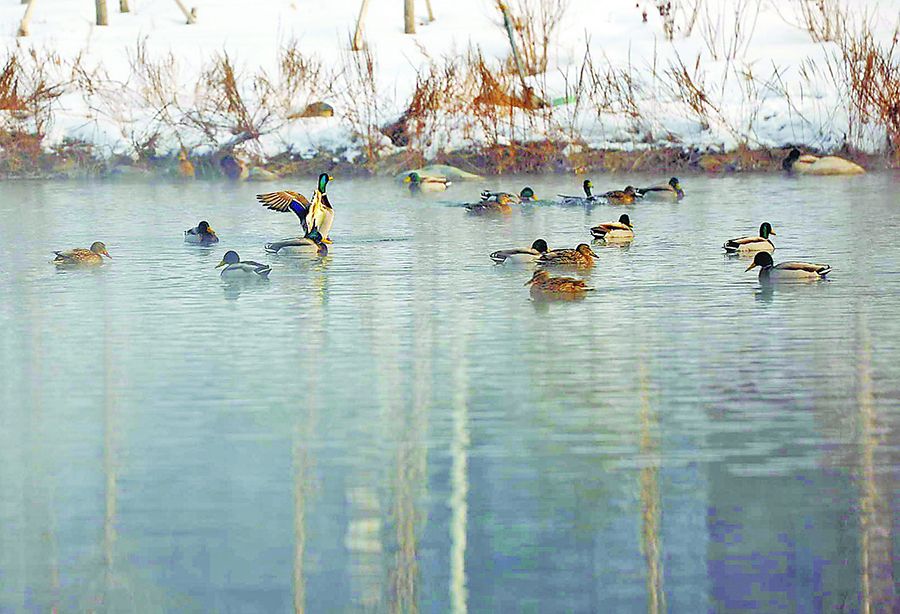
(791, 98)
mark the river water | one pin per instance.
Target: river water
(399, 427)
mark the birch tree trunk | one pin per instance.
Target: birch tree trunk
(101, 13)
(26, 19)
(190, 15)
(430, 12)
(360, 25)
(409, 17)
(123, 6)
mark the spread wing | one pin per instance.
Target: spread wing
(285, 201)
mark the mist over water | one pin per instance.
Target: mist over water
(398, 426)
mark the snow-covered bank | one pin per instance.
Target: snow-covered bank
(750, 73)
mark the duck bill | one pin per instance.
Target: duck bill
(407, 179)
(772, 232)
(106, 253)
(752, 266)
(221, 264)
(330, 178)
(593, 254)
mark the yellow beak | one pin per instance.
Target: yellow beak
(407, 179)
(330, 178)
(220, 264)
(772, 232)
(752, 265)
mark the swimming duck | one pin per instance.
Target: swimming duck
(297, 245)
(808, 164)
(621, 197)
(522, 255)
(787, 271)
(496, 202)
(663, 191)
(588, 197)
(316, 217)
(82, 257)
(235, 268)
(526, 195)
(611, 231)
(426, 183)
(566, 288)
(749, 244)
(581, 257)
(201, 235)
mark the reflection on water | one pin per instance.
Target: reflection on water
(398, 427)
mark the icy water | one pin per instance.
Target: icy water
(398, 427)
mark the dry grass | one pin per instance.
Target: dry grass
(360, 100)
(823, 19)
(534, 25)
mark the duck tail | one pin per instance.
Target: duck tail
(271, 248)
(498, 257)
(264, 273)
(729, 247)
(825, 270)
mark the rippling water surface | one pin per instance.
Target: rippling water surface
(399, 427)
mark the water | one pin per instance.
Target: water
(399, 427)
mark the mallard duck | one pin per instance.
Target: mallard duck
(297, 245)
(787, 271)
(82, 257)
(749, 244)
(201, 235)
(808, 164)
(621, 197)
(581, 257)
(185, 168)
(522, 255)
(663, 191)
(610, 231)
(526, 195)
(565, 288)
(588, 197)
(493, 202)
(235, 268)
(426, 183)
(316, 217)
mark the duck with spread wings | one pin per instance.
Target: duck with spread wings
(316, 216)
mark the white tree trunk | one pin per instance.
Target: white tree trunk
(26, 19)
(409, 17)
(101, 13)
(123, 6)
(430, 12)
(189, 15)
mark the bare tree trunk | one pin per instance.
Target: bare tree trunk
(191, 15)
(101, 13)
(430, 12)
(26, 19)
(123, 6)
(409, 16)
(360, 25)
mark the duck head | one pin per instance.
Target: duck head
(588, 185)
(100, 249)
(205, 228)
(412, 178)
(585, 250)
(230, 257)
(538, 277)
(629, 190)
(762, 260)
(540, 246)
(324, 178)
(788, 163)
(527, 194)
(624, 219)
(765, 230)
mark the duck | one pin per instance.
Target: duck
(521, 255)
(235, 268)
(203, 234)
(526, 195)
(543, 286)
(621, 197)
(750, 244)
(185, 167)
(808, 164)
(426, 183)
(316, 216)
(662, 191)
(588, 197)
(581, 257)
(297, 245)
(82, 257)
(787, 271)
(610, 231)
(493, 202)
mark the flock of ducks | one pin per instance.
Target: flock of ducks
(316, 217)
